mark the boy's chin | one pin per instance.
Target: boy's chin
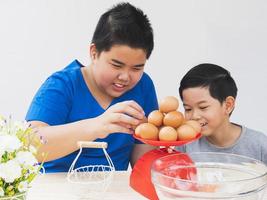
(205, 133)
(117, 95)
(114, 94)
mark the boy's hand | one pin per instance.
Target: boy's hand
(121, 117)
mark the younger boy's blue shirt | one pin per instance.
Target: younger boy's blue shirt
(64, 98)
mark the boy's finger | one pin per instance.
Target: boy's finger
(125, 119)
(128, 109)
(120, 128)
(124, 106)
(135, 106)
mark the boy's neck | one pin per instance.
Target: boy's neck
(102, 99)
(226, 136)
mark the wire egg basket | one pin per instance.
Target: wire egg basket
(92, 181)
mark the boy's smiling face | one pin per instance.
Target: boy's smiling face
(118, 70)
(209, 112)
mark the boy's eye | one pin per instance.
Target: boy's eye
(137, 68)
(187, 109)
(116, 65)
(203, 107)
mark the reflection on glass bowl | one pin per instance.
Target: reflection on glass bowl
(210, 176)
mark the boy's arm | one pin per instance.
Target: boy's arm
(61, 140)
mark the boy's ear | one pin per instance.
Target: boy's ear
(93, 51)
(229, 104)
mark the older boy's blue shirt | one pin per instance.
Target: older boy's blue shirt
(64, 98)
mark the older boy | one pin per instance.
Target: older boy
(102, 101)
(208, 93)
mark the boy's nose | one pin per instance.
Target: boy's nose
(124, 76)
(195, 115)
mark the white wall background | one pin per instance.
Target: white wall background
(38, 37)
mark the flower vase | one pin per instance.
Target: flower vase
(19, 196)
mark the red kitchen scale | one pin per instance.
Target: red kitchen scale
(140, 179)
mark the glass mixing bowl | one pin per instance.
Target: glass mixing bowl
(209, 175)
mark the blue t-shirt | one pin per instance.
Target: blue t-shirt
(64, 98)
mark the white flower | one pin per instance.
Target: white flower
(34, 169)
(9, 143)
(18, 165)
(1, 152)
(33, 149)
(23, 186)
(1, 192)
(26, 158)
(10, 170)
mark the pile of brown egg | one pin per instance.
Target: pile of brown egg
(168, 124)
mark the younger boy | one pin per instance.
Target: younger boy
(208, 93)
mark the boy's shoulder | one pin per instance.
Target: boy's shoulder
(146, 77)
(71, 69)
(70, 73)
(252, 136)
(249, 132)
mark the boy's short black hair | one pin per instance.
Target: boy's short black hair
(124, 24)
(216, 78)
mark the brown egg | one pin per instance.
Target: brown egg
(168, 104)
(168, 133)
(147, 131)
(155, 117)
(195, 124)
(186, 132)
(173, 119)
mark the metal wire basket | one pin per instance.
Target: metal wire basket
(92, 181)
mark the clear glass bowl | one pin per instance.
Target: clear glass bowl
(209, 175)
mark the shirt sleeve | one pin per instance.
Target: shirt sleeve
(264, 150)
(52, 102)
